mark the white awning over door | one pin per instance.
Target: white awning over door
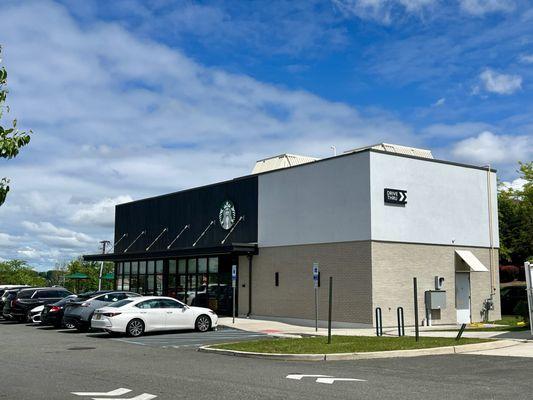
(472, 261)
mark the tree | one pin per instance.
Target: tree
(91, 269)
(17, 272)
(515, 208)
(11, 139)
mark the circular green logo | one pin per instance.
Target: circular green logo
(226, 215)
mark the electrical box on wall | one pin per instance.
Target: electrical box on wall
(439, 283)
(435, 299)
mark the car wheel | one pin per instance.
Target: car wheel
(135, 328)
(69, 325)
(203, 323)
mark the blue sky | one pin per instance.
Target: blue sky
(137, 98)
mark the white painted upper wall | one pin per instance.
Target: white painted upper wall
(446, 204)
(322, 202)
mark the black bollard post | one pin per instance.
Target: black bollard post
(330, 307)
(417, 333)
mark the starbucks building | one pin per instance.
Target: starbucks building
(372, 218)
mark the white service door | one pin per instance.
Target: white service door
(462, 297)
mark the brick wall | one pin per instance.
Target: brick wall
(395, 264)
(348, 263)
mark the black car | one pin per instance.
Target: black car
(510, 296)
(52, 314)
(27, 299)
(4, 294)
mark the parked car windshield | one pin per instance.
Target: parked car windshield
(120, 303)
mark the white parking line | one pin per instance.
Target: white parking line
(116, 392)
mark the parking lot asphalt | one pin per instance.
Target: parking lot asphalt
(43, 363)
(192, 339)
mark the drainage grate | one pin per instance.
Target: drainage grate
(81, 348)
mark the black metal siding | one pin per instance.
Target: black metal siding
(195, 207)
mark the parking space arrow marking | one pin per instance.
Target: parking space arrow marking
(117, 392)
(299, 377)
(144, 396)
(331, 380)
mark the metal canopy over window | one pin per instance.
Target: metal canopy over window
(472, 261)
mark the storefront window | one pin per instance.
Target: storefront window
(151, 267)
(143, 282)
(202, 265)
(142, 267)
(159, 266)
(213, 265)
(192, 266)
(171, 267)
(158, 285)
(204, 282)
(182, 266)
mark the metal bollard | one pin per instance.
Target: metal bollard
(401, 323)
(379, 322)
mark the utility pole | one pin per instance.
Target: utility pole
(104, 243)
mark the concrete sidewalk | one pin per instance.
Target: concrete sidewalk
(278, 328)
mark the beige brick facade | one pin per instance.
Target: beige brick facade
(365, 275)
(348, 263)
(395, 264)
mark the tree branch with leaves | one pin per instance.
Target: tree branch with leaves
(11, 139)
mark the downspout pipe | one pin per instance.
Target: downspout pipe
(250, 257)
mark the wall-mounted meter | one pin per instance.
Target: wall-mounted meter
(439, 283)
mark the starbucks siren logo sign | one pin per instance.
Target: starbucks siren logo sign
(226, 215)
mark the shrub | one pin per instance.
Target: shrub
(508, 273)
(522, 310)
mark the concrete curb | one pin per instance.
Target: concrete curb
(465, 348)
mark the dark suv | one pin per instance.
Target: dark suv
(6, 295)
(30, 298)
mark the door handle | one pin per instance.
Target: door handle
(169, 312)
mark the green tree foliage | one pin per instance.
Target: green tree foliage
(17, 272)
(91, 269)
(515, 209)
(11, 139)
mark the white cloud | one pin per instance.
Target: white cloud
(7, 241)
(495, 82)
(440, 102)
(59, 237)
(516, 184)
(101, 213)
(381, 10)
(128, 115)
(527, 58)
(482, 7)
(489, 148)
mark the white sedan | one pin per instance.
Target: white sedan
(35, 314)
(134, 316)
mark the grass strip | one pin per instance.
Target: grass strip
(343, 344)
